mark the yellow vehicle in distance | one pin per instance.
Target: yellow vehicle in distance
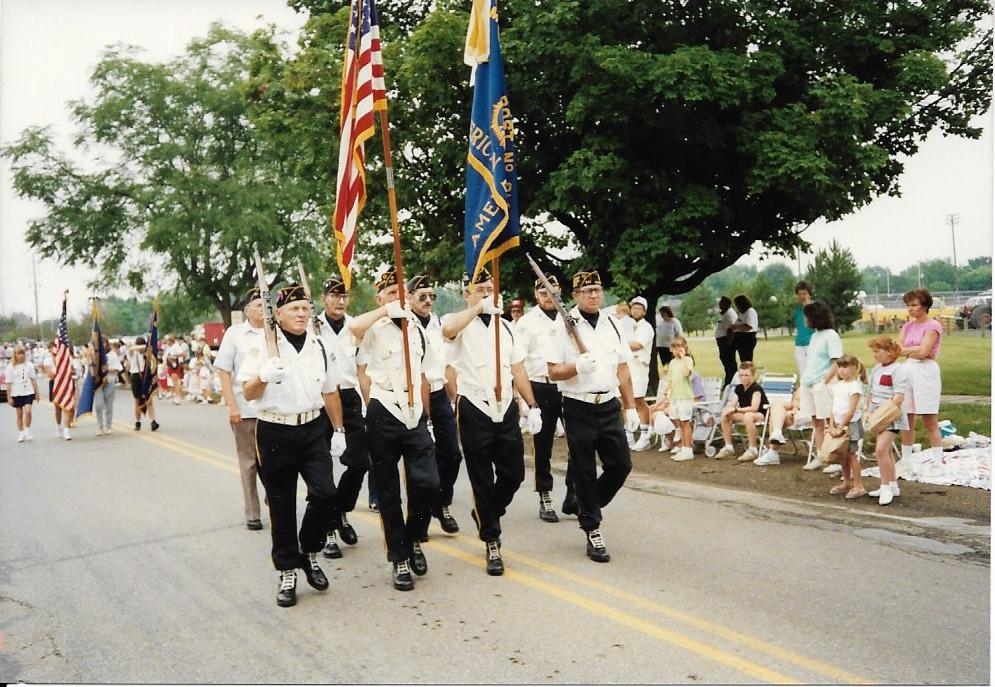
(881, 318)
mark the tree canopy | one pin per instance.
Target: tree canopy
(175, 186)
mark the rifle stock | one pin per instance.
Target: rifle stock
(269, 317)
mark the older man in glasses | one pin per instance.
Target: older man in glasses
(421, 297)
(341, 351)
(592, 374)
(536, 329)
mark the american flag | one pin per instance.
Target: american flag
(363, 93)
(64, 389)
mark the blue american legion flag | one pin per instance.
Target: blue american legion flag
(63, 384)
(363, 93)
(96, 368)
(151, 366)
(491, 222)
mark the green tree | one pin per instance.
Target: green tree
(774, 308)
(697, 311)
(836, 278)
(187, 186)
(663, 139)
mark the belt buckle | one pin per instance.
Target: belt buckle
(597, 398)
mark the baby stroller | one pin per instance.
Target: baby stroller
(705, 415)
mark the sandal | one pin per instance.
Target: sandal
(839, 489)
(855, 494)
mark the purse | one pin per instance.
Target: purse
(882, 417)
(835, 449)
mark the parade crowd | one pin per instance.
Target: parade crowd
(401, 398)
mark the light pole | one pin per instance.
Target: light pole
(954, 219)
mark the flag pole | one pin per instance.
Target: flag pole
(495, 272)
(398, 264)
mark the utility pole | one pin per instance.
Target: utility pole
(34, 279)
(954, 220)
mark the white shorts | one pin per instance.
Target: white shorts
(816, 401)
(681, 410)
(640, 380)
(923, 397)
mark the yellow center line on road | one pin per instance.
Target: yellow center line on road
(626, 619)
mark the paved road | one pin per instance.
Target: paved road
(125, 559)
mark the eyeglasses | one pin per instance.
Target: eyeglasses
(590, 291)
(422, 297)
(338, 296)
(545, 292)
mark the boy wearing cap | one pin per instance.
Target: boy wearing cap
(535, 330)
(641, 345)
(488, 426)
(397, 427)
(442, 421)
(236, 343)
(291, 389)
(591, 383)
(341, 350)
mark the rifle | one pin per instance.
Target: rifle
(269, 318)
(571, 325)
(315, 321)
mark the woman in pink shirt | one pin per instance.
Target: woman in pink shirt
(920, 342)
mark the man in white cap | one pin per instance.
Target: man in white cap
(641, 345)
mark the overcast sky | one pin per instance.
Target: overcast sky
(49, 47)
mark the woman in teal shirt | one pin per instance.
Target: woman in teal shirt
(803, 333)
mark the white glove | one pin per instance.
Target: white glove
(431, 430)
(273, 370)
(395, 311)
(535, 421)
(338, 444)
(490, 308)
(586, 364)
(631, 420)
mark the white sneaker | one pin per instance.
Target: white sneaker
(778, 439)
(560, 432)
(815, 464)
(769, 457)
(683, 454)
(675, 449)
(20, 436)
(643, 444)
(895, 491)
(28, 436)
(748, 456)
(834, 469)
(726, 451)
(65, 434)
(630, 439)
(885, 497)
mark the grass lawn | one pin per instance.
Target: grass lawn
(965, 365)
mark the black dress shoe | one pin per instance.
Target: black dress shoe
(254, 525)
(570, 506)
(546, 512)
(419, 564)
(403, 581)
(154, 425)
(138, 426)
(331, 549)
(347, 532)
(447, 521)
(596, 550)
(495, 566)
(287, 595)
(315, 576)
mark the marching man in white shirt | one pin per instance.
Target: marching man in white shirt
(291, 389)
(591, 383)
(488, 427)
(397, 426)
(235, 346)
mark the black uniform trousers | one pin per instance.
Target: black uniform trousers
(283, 452)
(447, 453)
(727, 356)
(356, 458)
(595, 429)
(495, 462)
(389, 440)
(547, 397)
